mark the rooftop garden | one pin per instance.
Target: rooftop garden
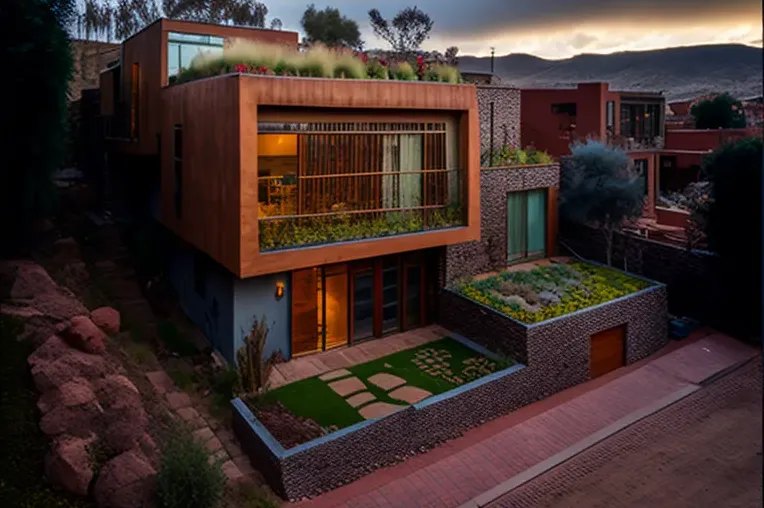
(307, 409)
(507, 156)
(547, 292)
(316, 62)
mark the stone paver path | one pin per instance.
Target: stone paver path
(378, 410)
(360, 399)
(347, 386)
(386, 381)
(335, 374)
(485, 457)
(342, 358)
(410, 394)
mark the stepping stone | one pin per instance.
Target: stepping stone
(386, 381)
(191, 417)
(232, 471)
(378, 410)
(160, 381)
(410, 394)
(334, 374)
(360, 398)
(347, 386)
(178, 400)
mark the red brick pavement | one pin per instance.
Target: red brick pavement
(485, 457)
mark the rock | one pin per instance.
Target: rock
(80, 420)
(50, 374)
(125, 419)
(72, 393)
(107, 319)
(68, 464)
(31, 286)
(54, 347)
(548, 298)
(126, 481)
(149, 448)
(85, 335)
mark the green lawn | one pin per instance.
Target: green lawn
(312, 398)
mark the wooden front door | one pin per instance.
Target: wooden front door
(607, 351)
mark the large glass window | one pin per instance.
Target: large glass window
(183, 48)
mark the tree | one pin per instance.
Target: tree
(600, 188)
(734, 227)
(721, 112)
(35, 45)
(407, 30)
(100, 19)
(330, 28)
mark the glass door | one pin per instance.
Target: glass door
(526, 225)
(536, 223)
(390, 296)
(413, 296)
(516, 226)
(363, 304)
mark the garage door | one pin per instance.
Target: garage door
(607, 351)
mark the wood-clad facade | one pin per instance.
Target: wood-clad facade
(337, 164)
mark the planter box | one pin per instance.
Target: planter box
(555, 354)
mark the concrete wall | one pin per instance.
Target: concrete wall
(490, 252)
(213, 312)
(256, 297)
(506, 116)
(706, 139)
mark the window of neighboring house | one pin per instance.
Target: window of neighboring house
(564, 108)
(178, 166)
(183, 48)
(200, 275)
(640, 165)
(610, 114)
(135, 82)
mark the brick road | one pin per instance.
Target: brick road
(485, 457)
(704, 451)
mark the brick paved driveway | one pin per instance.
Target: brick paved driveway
(704, 451)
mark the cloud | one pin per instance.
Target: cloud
(555, 28)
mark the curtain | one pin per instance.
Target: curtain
(453, 163)
(536, 222)
(515, 225)
(410, 160)
(389, 165)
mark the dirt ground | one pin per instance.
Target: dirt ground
(705, 451)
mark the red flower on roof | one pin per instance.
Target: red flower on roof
(240, 68)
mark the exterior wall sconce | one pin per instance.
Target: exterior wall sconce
(279, 290)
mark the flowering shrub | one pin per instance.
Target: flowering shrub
(568, 288)
(246, 57)
(507, 156)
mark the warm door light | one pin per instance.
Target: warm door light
(279, 290)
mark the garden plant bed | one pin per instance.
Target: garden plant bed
(307, 409)
(547, 292)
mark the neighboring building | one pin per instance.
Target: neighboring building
(88, 59)
(481, 78)
(263, 180)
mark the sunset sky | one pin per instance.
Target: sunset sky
(557, 28)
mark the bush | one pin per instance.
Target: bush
(187, 478)
(721, 112)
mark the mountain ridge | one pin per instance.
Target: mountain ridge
(682, 73)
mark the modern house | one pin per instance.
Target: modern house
(324, 205)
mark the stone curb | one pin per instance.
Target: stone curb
(529, 474)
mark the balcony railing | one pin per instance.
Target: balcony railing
(324, 209)
(638, 144)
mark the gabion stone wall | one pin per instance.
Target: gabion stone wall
(490, 252)
(557, 356)
(506, 116)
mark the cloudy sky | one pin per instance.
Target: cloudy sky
(557, 28)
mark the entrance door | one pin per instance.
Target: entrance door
(526, 225)
(607, 351)
(320, 318)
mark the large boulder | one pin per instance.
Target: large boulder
(69, 465)
(126, 481)
(50, 374)
(125, 419)
(79, 420)
(85, 335)
(76, 392)
(31, 286)
(107, 319)
(54, 347)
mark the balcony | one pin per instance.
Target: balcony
(329, 183)
(637, 144)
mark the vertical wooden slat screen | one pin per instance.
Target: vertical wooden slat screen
(304, 312)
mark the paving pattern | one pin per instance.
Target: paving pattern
(489, 455)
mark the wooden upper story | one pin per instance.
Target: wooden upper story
(267, 174)
(131, 87)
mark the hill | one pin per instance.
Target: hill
(682, 73)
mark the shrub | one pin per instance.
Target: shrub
(376, 69)
(404, 72)
(254, 368)
(187, 478)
